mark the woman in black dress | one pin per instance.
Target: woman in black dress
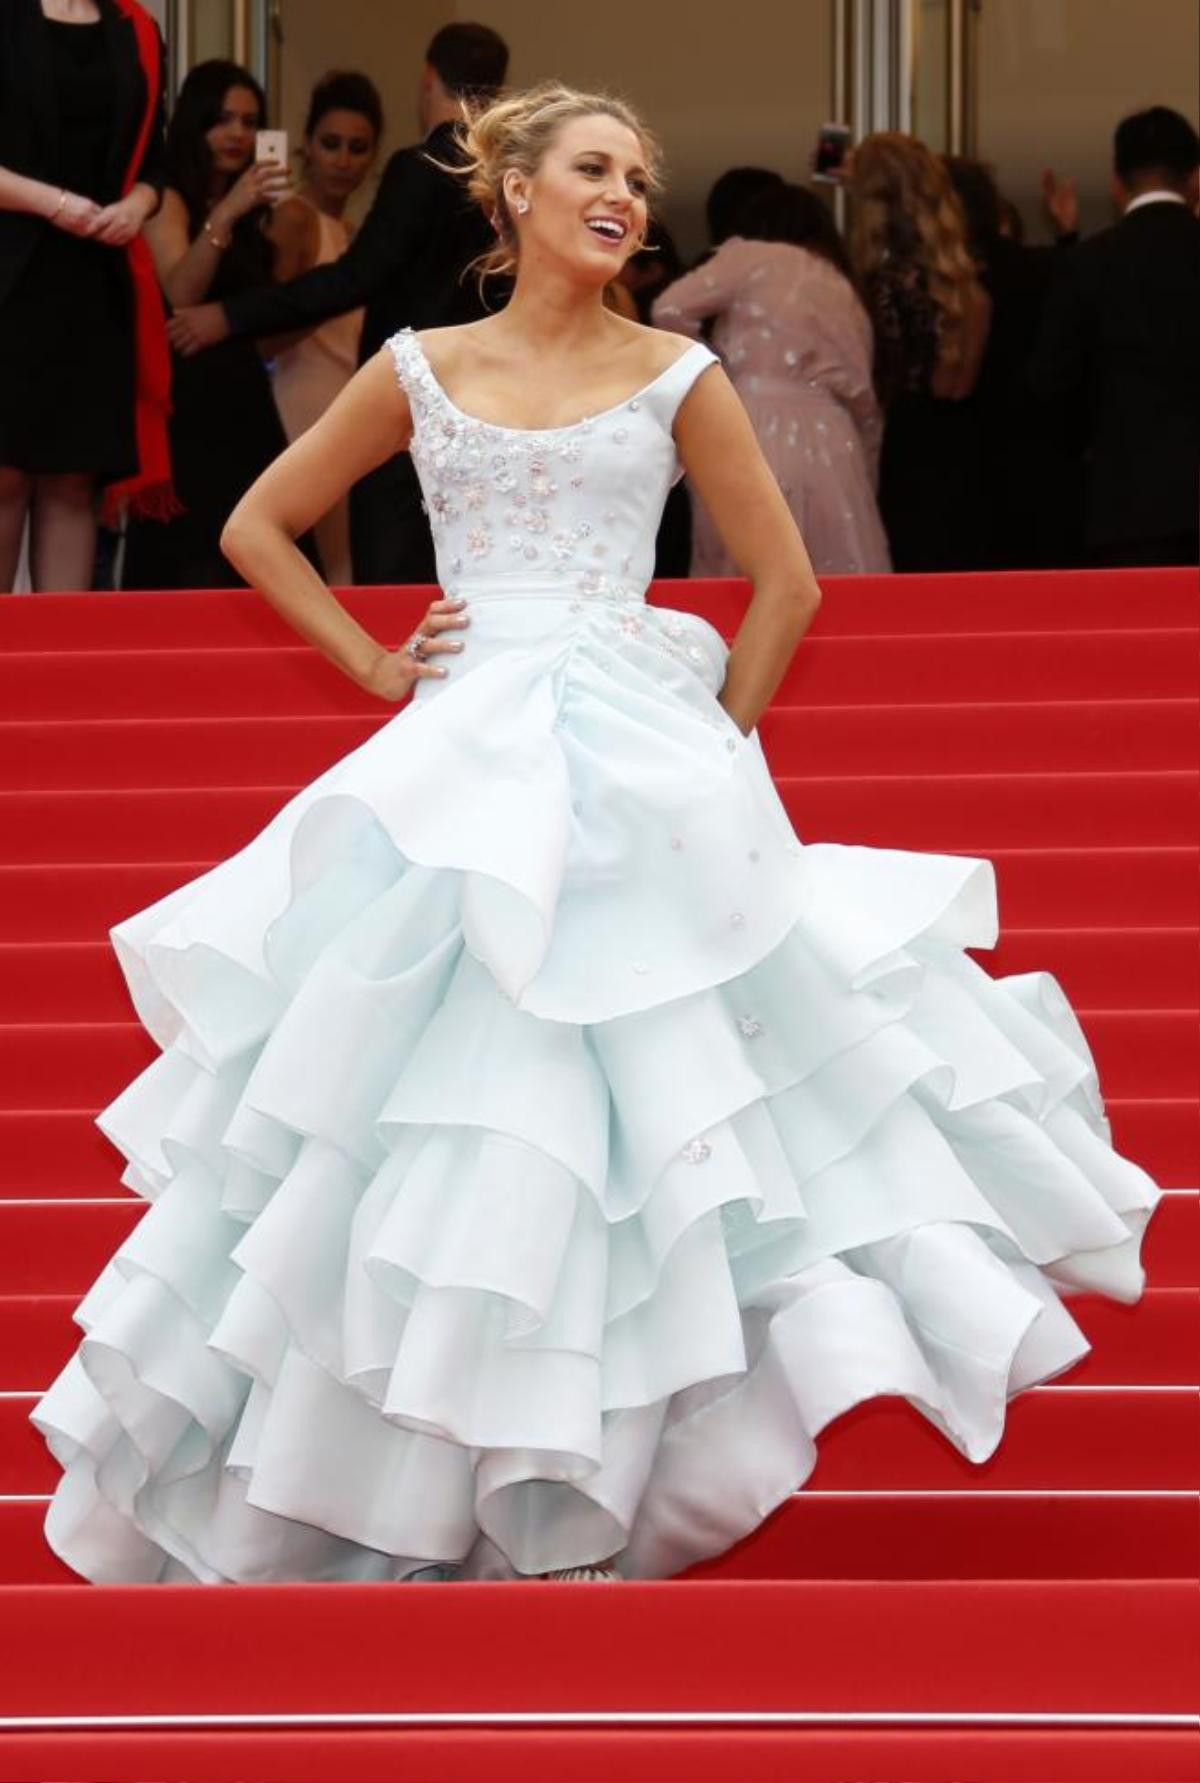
(209, 242)
(81, 141)
(931, 316)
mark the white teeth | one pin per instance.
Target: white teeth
(603, 226)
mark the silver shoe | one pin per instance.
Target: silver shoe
(584, 1574)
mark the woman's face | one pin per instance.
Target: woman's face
(231, 138)
(339, 153)
(587, 200)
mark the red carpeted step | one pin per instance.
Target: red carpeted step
(76, 1065)
(1162, 1133)
(928, 1536)
(985, 811)
(84, 1064)
(680, 1753)
(1054, 735)
(1056, 1438)
(58, 1152)
(975, 812)
(980, 736)
(1153, 1342)
(1105, 968)
(58, 1246)
(1111, 1439)
(1054, 887)
(827, 670)
(814, 1750)
(184, 752)
(1144, 1052)
(1039, 888)
(906, 1648)
(1098, 968)
(923, 1536)
(77, 901)
(1029, 600)
(61, 981)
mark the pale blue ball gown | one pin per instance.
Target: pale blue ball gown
(545, 1144)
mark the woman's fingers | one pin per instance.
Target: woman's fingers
(445, 615)
(434, 643)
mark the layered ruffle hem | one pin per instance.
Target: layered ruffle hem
(545, 1147)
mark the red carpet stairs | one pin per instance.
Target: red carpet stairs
(908, 1615)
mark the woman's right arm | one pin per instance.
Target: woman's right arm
(368, 422)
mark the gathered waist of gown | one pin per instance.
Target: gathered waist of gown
(570, 585)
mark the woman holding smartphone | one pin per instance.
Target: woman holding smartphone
(341, 140)
(209, 240)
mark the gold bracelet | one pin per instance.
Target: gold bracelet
(62, 199)
(215, 239)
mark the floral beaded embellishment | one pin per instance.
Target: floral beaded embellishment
(465, 463)
(696, 1151)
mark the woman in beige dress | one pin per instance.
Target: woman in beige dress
(797, 344)
(341, 140)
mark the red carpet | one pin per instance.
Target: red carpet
(909, 1615)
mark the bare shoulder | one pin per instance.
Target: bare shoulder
(448, 348)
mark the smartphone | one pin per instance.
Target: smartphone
(271, 145)
(829, 160)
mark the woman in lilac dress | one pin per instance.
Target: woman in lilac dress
(797, 344)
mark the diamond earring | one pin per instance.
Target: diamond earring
(522, 206)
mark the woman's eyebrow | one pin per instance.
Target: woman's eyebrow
(603, 155)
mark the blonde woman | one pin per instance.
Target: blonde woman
(547, 1145)
(931, 315)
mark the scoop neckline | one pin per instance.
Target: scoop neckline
(539, 432)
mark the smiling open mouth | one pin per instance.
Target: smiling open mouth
(607, 228)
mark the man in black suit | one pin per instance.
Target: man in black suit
(1120, 337)
(406, 267)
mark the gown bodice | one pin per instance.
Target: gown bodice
(571, 509)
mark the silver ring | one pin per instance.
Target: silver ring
(414, 646)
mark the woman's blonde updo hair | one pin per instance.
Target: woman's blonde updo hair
(513, 135)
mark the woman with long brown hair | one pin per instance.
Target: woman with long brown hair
(908, 248)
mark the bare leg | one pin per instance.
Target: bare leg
(15, 489)
(63, 542)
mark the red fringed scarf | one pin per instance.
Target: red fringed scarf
(149, 490)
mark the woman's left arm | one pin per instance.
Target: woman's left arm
(726, 467)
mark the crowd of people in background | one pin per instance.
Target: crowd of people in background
(931, 391)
